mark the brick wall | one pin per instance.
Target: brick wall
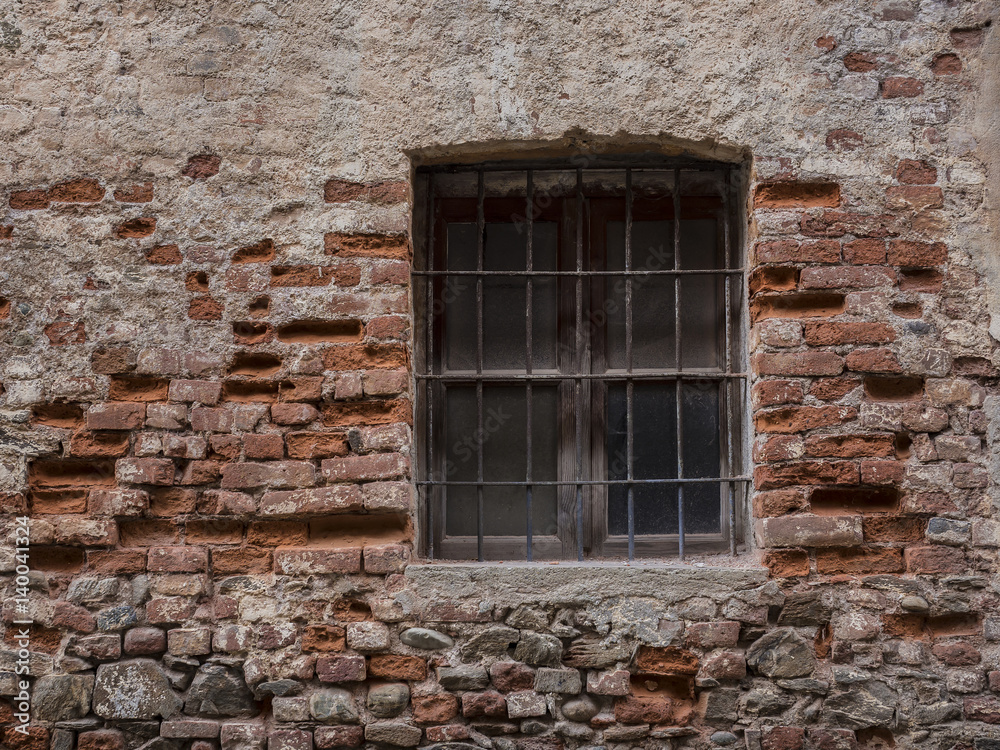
(206, 404)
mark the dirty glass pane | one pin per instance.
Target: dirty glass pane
(652, 296)
(505, 449)
(504, 297)
(702, 297)
(655, 456)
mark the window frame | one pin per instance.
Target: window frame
(429, 260)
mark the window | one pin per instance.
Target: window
(579, 359)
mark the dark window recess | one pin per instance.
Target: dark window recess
(580, 360)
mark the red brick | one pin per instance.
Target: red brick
(917, 197)
(799, 364)
(489, 703)
(774, 392)
(859, 560)
(914, 172)
(316, 501)
(802, 418)
(388, 327)
(310, 445)
(204, 419)
(342, 191)
(797, 195)
(946, 64)
(327, 738)
(323, 638)
(305, 561)
(241, 561)
(205, 392)
(138, 389)
(901, 87)
(159, 471)
(907, 253)
(116, 416)
(850, 446)
(293, 414)
(834, 334)
(70, 616)
(777, 448)
(65, 333)
(164, 255)
(873, 360)
(447, 733)
(366, 357)
(101, 739)
(655, 709)
(386, 558)
(787, 563)
(260, 252)
(865, 252)
(202, 166)
(936, 560)
(805, 530)
(143, 226)
(847, 277)
(393, 667)
(783, 738)
(956, 653)
(366, 468)
(666, 660)
(772, 279)
(29, 200)
(77, 191)
(205, 308)
(839, 223)
(272, 474)
(177, 560)
(985, 709)
(434, 709)
(778, 502)
(882, 472)
(267, 447)
(347, 668)
(860, 62)
(116, 562)
(511, 675)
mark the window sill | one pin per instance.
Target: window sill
(515, 582)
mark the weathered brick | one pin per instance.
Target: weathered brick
(805, 473)
(849, 277)
(834, 334)
(810, 531)
(298, 562)
(271, 475)
(116, 416)
(316, 501)
(366, 468)
(802, 418)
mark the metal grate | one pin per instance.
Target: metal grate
(584, 388)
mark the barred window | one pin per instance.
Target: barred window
(579, 359)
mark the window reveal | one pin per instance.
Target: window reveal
(579, 361)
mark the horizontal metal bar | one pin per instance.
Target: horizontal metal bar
(585, 274)
(589, 482)
(472, 377)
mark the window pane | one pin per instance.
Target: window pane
(652, 296)
(505, 449)
(655, 456)
(702, 297)
(504, 297)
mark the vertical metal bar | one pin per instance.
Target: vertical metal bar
(480, 250)
(629, 428)
(429, 363)
(678, 363)
(529, 215)
(579, 362)
(728, 433)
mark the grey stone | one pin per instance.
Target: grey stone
(387, 701)
(594, 652)
(574, 731)
(493, 641)
(723, 738)
(721, 705)
(183, 663)
(620, 733)
(539, 650)
(580, 709)
(549, 680)
(523, 704)
(335, 706)
(425, 638)
(84, 590)
(914, 603)
(463, 678)
(949, 531)
(805, 685)
(161, 743)
(61, 697)
(190, 728)
(243, 735)
(528, 617)
(765, 700)
(133, 690)
(872, 704)
(782, 653)
(290, 708)
(849, 676)
(533, 727)
(935, 713)
(97, 647)
(117, 618)
(280, 688)
(61, 739)
(400, 735)
(805, 608)
(220, 691)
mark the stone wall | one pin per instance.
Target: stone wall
(205, 394)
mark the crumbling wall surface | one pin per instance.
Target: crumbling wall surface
(206, 400)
